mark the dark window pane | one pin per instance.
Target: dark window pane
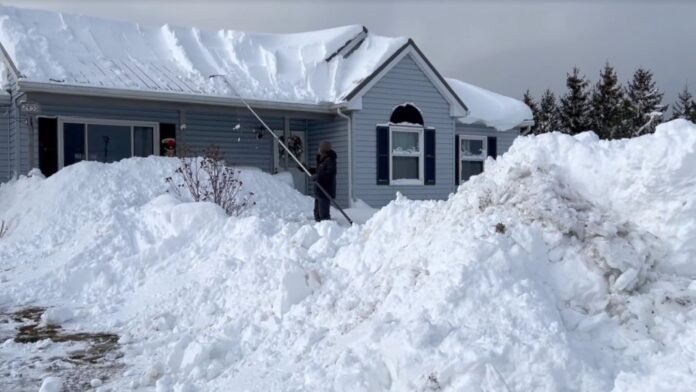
(472, 148)
(48, 145)
(108, 143)
(142, 141)
(471, 168)
(405, 168)
(73, 143)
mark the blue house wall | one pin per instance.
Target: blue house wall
(404, 83)
(235, 130)
(5, 163)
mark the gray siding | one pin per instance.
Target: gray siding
(5, 164)
(335, 131)
(505, 139)
(204, 126)
(16, 139)
(240, 145)
(403, 83)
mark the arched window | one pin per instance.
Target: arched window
(405, 149)
(406, 113)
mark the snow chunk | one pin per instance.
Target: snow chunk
(57, 316)
(294, 288)
(52, 384)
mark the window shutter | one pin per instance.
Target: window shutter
(492, 146)
(457, 164)
(383, 155)
(429, 156)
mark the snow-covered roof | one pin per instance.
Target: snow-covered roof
(323, 66)
(489, 108)
(311, 67)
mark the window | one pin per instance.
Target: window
(473, 151)
(406, 113)
(104, 140)
(406, 155)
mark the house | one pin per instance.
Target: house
(83, 88)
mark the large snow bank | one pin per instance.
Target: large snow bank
(544, 273)
(489, 108)
(80, 50)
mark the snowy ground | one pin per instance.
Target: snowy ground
(568, 265)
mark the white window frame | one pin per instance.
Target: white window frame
(96, 121)
(463, 158)
(420, 155)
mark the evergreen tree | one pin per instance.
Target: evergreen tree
(549, 120)
(529, 101)
(643, 104)
(606, 104)
(685, 107)
(575, 106)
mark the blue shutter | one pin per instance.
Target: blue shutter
(492, 146)
(457, 164)
(429, 156)
(383, 155)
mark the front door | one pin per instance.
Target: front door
(297, 143)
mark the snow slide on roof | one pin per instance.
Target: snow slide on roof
(489, 108)
(80, 50)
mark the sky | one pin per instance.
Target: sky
(504, 46)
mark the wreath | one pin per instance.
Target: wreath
(294, 144)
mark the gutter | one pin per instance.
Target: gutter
(175, 97)
(350, 154)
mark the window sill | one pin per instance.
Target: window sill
(406, 182)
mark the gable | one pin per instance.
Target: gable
(406, 82)
(425, 69)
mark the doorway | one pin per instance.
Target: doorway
(282, 162)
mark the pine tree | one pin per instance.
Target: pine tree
(685, 107)
(606, 104)
(643, 104)
(549, 120)
(529, 101)
(575, 106)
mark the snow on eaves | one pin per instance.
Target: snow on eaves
(87, 51)
(489, 108)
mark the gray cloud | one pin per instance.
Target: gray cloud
(505, 46)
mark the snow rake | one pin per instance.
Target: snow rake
(285, 147)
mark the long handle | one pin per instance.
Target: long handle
(321, 188)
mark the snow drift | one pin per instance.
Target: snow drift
(550, 271)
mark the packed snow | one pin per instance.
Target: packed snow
(80, 50)
(489, 108)
(567, 265)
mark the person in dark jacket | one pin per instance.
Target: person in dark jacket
(324, 175)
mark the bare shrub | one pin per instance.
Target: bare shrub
(208, 178)
(4, 228)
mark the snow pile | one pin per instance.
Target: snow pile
(540, 274)
(80, 50)
(648, 180)
(489, 108)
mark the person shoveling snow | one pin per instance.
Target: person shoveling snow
(324, 176)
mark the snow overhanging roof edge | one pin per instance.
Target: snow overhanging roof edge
(168, 96)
